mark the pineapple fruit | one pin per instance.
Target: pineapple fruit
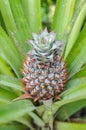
(44, 69)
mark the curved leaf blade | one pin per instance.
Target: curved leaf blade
(80, 74)
(25, 121)
(6, 96)
(70, 126)
(5, 69)
(32, 12)
(76, 30)
(11, 27)
(21, 22)
(12, 127)
(15, 110)
(36, 119)
(9, 52)
(11, 82)
(63, 13)
(76, 57)
(69, 109)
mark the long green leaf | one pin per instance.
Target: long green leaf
(70, 126)
(6, 96)
(36, 119)
(76, 29)
(25, 121)
(63, 14)
(59, 104)
(76, 57)
(11, 82)
(11, 28)
(2, 22)
(67, 110)
(21, 21)
(4, 68)
(80, 74)
(12, 126)
(9, 52)
(7, 15)
(15, 110)
(74, 82)
(78, 91)
(32, 12)
(71, 95)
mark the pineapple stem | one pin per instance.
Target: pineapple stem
(49, 112)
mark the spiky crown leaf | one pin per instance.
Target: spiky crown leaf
(45, 46)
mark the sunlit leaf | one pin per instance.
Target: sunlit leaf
(33, 14)
(70, 126)
(9, 53)
(25, 121)
(14, 126)
(36, 119)
(6, 96)
(80, 74)
(11, 82)
(15, 110)
(76, 57)
(4, 68)
(11, 27)
(75, 30)
(21, 22)
(63, 14)
(67, 110)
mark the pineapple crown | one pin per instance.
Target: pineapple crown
(45, 46)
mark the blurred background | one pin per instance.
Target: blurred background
(47, 12)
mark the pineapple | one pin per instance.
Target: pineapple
(44, 69)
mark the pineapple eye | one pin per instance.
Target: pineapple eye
(43, 85)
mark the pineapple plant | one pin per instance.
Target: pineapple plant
(54, 65)
(44, 70)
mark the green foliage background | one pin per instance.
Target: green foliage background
(18, 19)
